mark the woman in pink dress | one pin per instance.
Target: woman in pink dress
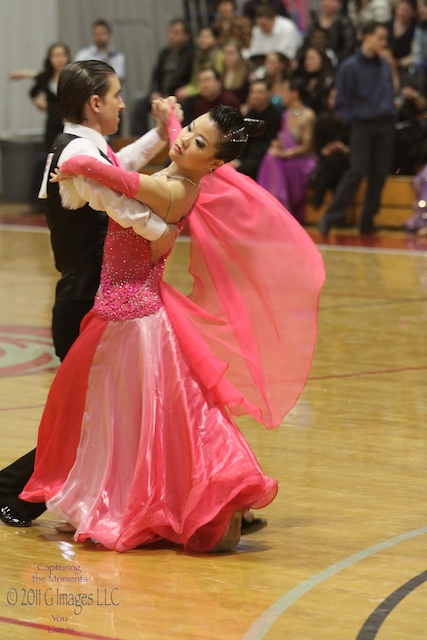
(287, 165)
(136, 443)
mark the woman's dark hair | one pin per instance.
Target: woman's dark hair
(296, 83)
(48, 69)
(79, 81)
(235, 130)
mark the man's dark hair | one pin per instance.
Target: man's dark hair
(184, 23)
(218, 2)
(79, 81)
(265, 12)
(264, 81)
(102, 23)
(214, 71)
(371, 27)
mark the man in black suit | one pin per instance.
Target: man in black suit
(90, 101)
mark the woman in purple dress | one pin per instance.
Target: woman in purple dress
(287, 165)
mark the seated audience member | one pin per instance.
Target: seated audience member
(207, 55)
(235, 72)
(401, 30)
(259, 107)
(289, 161)
(172, 70)
(230, 26)
(319, 39)
(317, 76)
(331, 145)
(410, 143)
(250, 8)
(419, 48)
(272, 33)
(210, 93)
(277, 68)
(341, 32)
(362, 12)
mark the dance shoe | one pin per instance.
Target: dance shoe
(13, 518)
(231, 536)
(250, 526)
(65, 527)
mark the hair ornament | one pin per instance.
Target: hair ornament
(239, 135)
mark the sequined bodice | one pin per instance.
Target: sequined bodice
(129, 281)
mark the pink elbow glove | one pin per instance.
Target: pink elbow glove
(174, 127)
(126, 182)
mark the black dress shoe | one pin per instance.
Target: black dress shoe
(324, 227)
(250, 526)
(368, 229)
(13, 518)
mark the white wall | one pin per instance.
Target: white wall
(27, 28)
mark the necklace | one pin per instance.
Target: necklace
(195, 184)
(296, 112)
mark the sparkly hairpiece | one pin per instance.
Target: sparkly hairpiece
(232, 135)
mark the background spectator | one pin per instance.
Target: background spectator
(319, 39)
(230, 26)
(235, 71)
(102, 49)
(277, 68)
(44, 91)
(340, 29)
(172, 70)
(289, 161)
(272, 33)
(259, 107)
(331, 147)
(208, 55)
(250, 8)
(210, 93)
(401, 30)
(365, 101)
(410, 146)
(420, 43)
(317, 76)
(361, 12)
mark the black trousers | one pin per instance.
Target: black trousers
(66, 320)
(371, 151)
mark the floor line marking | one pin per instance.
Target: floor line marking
(266, 620)
(372, 625)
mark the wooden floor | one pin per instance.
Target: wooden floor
(344, 556)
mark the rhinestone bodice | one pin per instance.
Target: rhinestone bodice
(129, 285)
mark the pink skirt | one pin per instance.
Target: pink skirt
(132, 449)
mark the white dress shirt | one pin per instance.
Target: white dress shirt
(115, 59)
(78, 191)
(284, 38)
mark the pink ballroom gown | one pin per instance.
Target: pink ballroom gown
(137, 442)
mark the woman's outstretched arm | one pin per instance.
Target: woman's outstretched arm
(154, 193)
